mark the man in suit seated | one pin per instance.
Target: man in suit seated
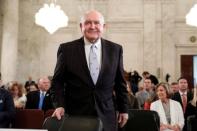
(40, 99)
(183, 96)
(7, 110)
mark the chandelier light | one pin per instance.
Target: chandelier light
(191, 17)
(51, 17)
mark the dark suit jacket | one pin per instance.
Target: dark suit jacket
(177, 97)
(33, 99)
(80, 96)
(7, 110)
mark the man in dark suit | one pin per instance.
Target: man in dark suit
(40, 99)
(76, 89)
(183, 90)
(183, 96)
(7, 110)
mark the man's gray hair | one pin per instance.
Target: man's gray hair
(83, 18)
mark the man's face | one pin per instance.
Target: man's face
(44, 84)
(147, 84)
(92, 28)
(174, 88)
(183, 85)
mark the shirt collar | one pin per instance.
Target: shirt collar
(183, 93)
(97, 43)
(44, 92)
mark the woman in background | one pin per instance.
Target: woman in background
(191, 113)
(132, 100)
(18, 94)
(170, 111)
(191, 106)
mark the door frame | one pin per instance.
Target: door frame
(183, 49)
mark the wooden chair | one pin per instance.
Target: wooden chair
(28, 119)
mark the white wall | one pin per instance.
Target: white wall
(9, 44)
(153, 34)
(1, 25)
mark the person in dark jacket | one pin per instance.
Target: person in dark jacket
(41, 98)
(134, 79)
(7, 110)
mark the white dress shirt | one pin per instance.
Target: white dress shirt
(98, 51)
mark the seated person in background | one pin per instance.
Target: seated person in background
(146, 94)
(183, 96)
(40, 99)
(33, 87)
(132, 100)
(18, 94)
(28, 83)
(7, 110)
(174, 87)
(153, 78)
(170, 111)
(191, 106)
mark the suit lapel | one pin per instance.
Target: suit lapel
(103, 59)
(37, 98)
(82, 56)
(180, 99)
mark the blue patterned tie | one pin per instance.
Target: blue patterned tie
(41, 101)
(93, 63)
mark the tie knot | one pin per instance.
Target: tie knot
(93, 46)
(42, 93)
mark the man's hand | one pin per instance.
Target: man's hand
(59, 112)
(122, 119)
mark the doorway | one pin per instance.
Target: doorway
(189, 68)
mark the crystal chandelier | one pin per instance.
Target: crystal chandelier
(51, 17)
(191, 17)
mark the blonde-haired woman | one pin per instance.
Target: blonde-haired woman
(170, 111)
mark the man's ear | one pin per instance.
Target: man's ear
(104, 26)
(80, 26)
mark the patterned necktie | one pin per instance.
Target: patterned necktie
(93, 63)
(184, 101)
(41, 101)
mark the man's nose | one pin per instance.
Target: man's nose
(92, 25)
